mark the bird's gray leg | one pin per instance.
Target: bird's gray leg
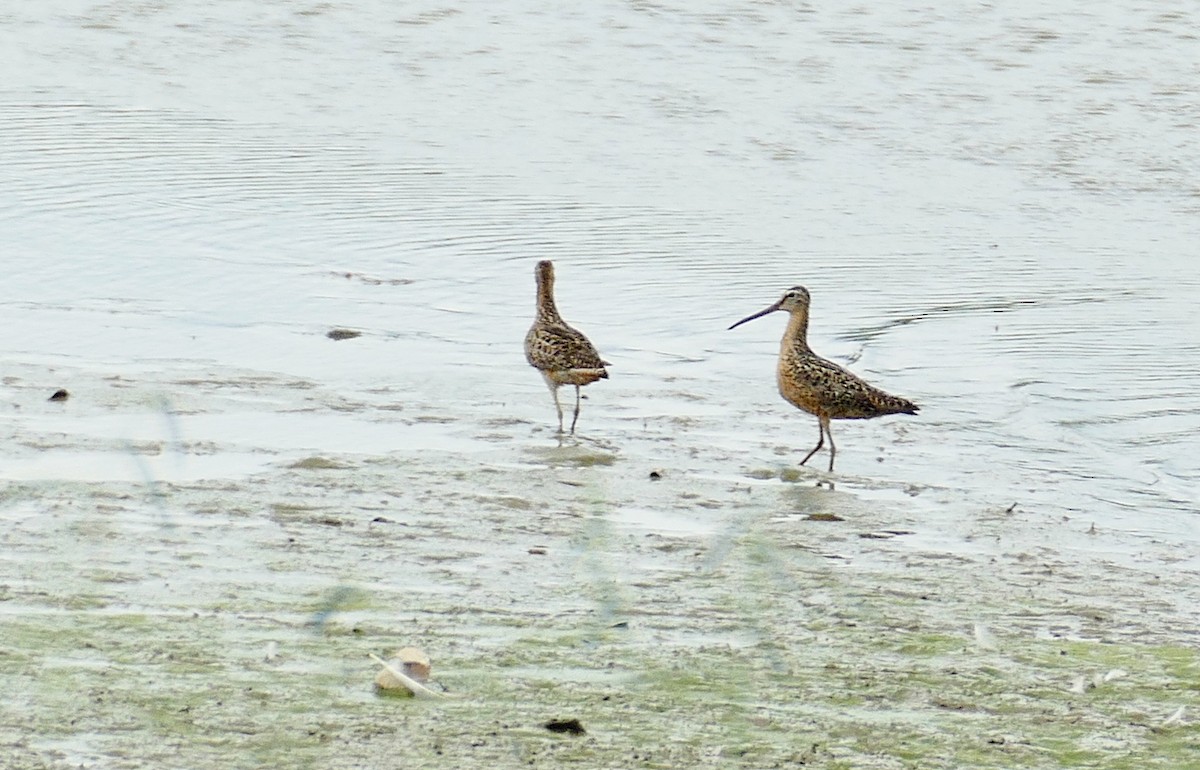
(820, 442)
(832, 446)
(576, 418)
(557, 406)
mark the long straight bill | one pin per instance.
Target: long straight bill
(759, 314)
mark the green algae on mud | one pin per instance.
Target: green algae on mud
(318, 463)
(227, 624)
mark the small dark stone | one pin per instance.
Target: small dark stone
(655, 475)
(60, 395)
(342, 334)
(572, 726)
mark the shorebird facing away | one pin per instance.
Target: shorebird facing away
(820, 387)
(562, 354)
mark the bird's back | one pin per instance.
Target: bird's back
(563, 353)
(825, 389)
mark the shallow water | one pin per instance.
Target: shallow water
(995, 209)
(993, 213)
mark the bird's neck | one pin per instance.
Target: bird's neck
(795, 337)
(546, 309)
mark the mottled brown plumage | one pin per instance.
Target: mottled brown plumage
(820, 387)
(562, 354)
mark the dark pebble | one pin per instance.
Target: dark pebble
(571, 726)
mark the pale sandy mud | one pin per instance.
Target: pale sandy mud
(730, 613)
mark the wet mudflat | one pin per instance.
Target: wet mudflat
(726, 613)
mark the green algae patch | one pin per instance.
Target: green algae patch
(823, 517)
(592, 459)
(317, 463)
(790, 475)
(512, 503)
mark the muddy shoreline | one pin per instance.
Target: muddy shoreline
(728, 613)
